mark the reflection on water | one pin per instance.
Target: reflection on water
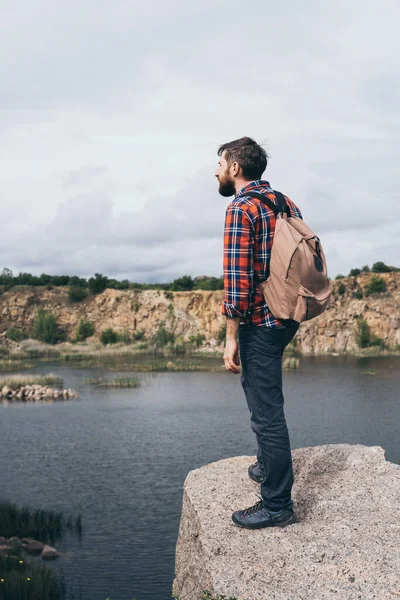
(119, 457)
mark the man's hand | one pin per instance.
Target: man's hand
(231, 356)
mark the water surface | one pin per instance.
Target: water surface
(120, 457)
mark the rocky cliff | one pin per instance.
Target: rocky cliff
(344, 544)
(191, 313)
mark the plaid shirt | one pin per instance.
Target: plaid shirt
(248, 235)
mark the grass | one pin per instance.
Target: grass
(14, 382)
(44, 525)
(177, 365)
(24, 579)
(123, 382)
(20, 577)
(8, 364)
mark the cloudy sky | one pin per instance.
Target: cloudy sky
(111, 113)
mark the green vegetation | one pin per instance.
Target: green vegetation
(44, 525)
(341, 289)
(45, 327)
(16, 335)
(197, 340)
(20, 576)
(376, 285)
(77, 294)
(14, 382)
(109, 336)
(363, 333)
(182, 284)
(83, 330)
(162, 337)
(10, 364)
(358, 295)
(28, 579)
(99, 283)
(138, 335)
(364, 337)
(123, 382)
(380, 267)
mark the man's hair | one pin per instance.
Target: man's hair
(251, 157)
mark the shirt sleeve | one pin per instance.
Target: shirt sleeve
(238, 262)
(294, 209)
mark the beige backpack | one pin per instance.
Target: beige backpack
(297, 287)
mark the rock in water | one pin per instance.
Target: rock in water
(345, 544)
(50, 553)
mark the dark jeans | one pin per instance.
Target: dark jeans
(261, 350)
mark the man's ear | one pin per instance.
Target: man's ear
(235, 168)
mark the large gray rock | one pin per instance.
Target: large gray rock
(345, 545)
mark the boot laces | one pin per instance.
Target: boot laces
(253, 509)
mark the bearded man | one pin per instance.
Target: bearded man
(253, 329)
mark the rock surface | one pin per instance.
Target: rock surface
(345, 544)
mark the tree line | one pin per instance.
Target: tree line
(99, 282)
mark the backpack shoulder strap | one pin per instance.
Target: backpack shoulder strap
(279, 207)
(281, 202)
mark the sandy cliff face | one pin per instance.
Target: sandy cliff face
(334, 330)
(190, 313)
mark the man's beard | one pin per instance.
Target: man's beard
(226, 187)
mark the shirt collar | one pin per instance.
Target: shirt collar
(252, 185)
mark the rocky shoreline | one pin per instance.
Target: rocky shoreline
(35, 393)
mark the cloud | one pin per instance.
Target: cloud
(111, 114)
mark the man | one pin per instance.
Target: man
(248, 237)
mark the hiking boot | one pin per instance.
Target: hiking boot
(255, 473)
(257, 517)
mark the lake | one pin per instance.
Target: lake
(120, 457)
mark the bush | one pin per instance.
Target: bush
(364, 337)
(339, 276)
(358, 295)
(45, 327)
(182, 284)
(376, 285)
(197, 340)
(98, 283)
(77, 294)
(124, 337)
(354, 272)
(341, 289)
(83, 330)
(16, 335)
(365, 269)
(163, 337)
(109, 336)
(380, 267)
(209, 283)
(363, 333)
(138, 335)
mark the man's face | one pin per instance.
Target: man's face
(226, 181)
